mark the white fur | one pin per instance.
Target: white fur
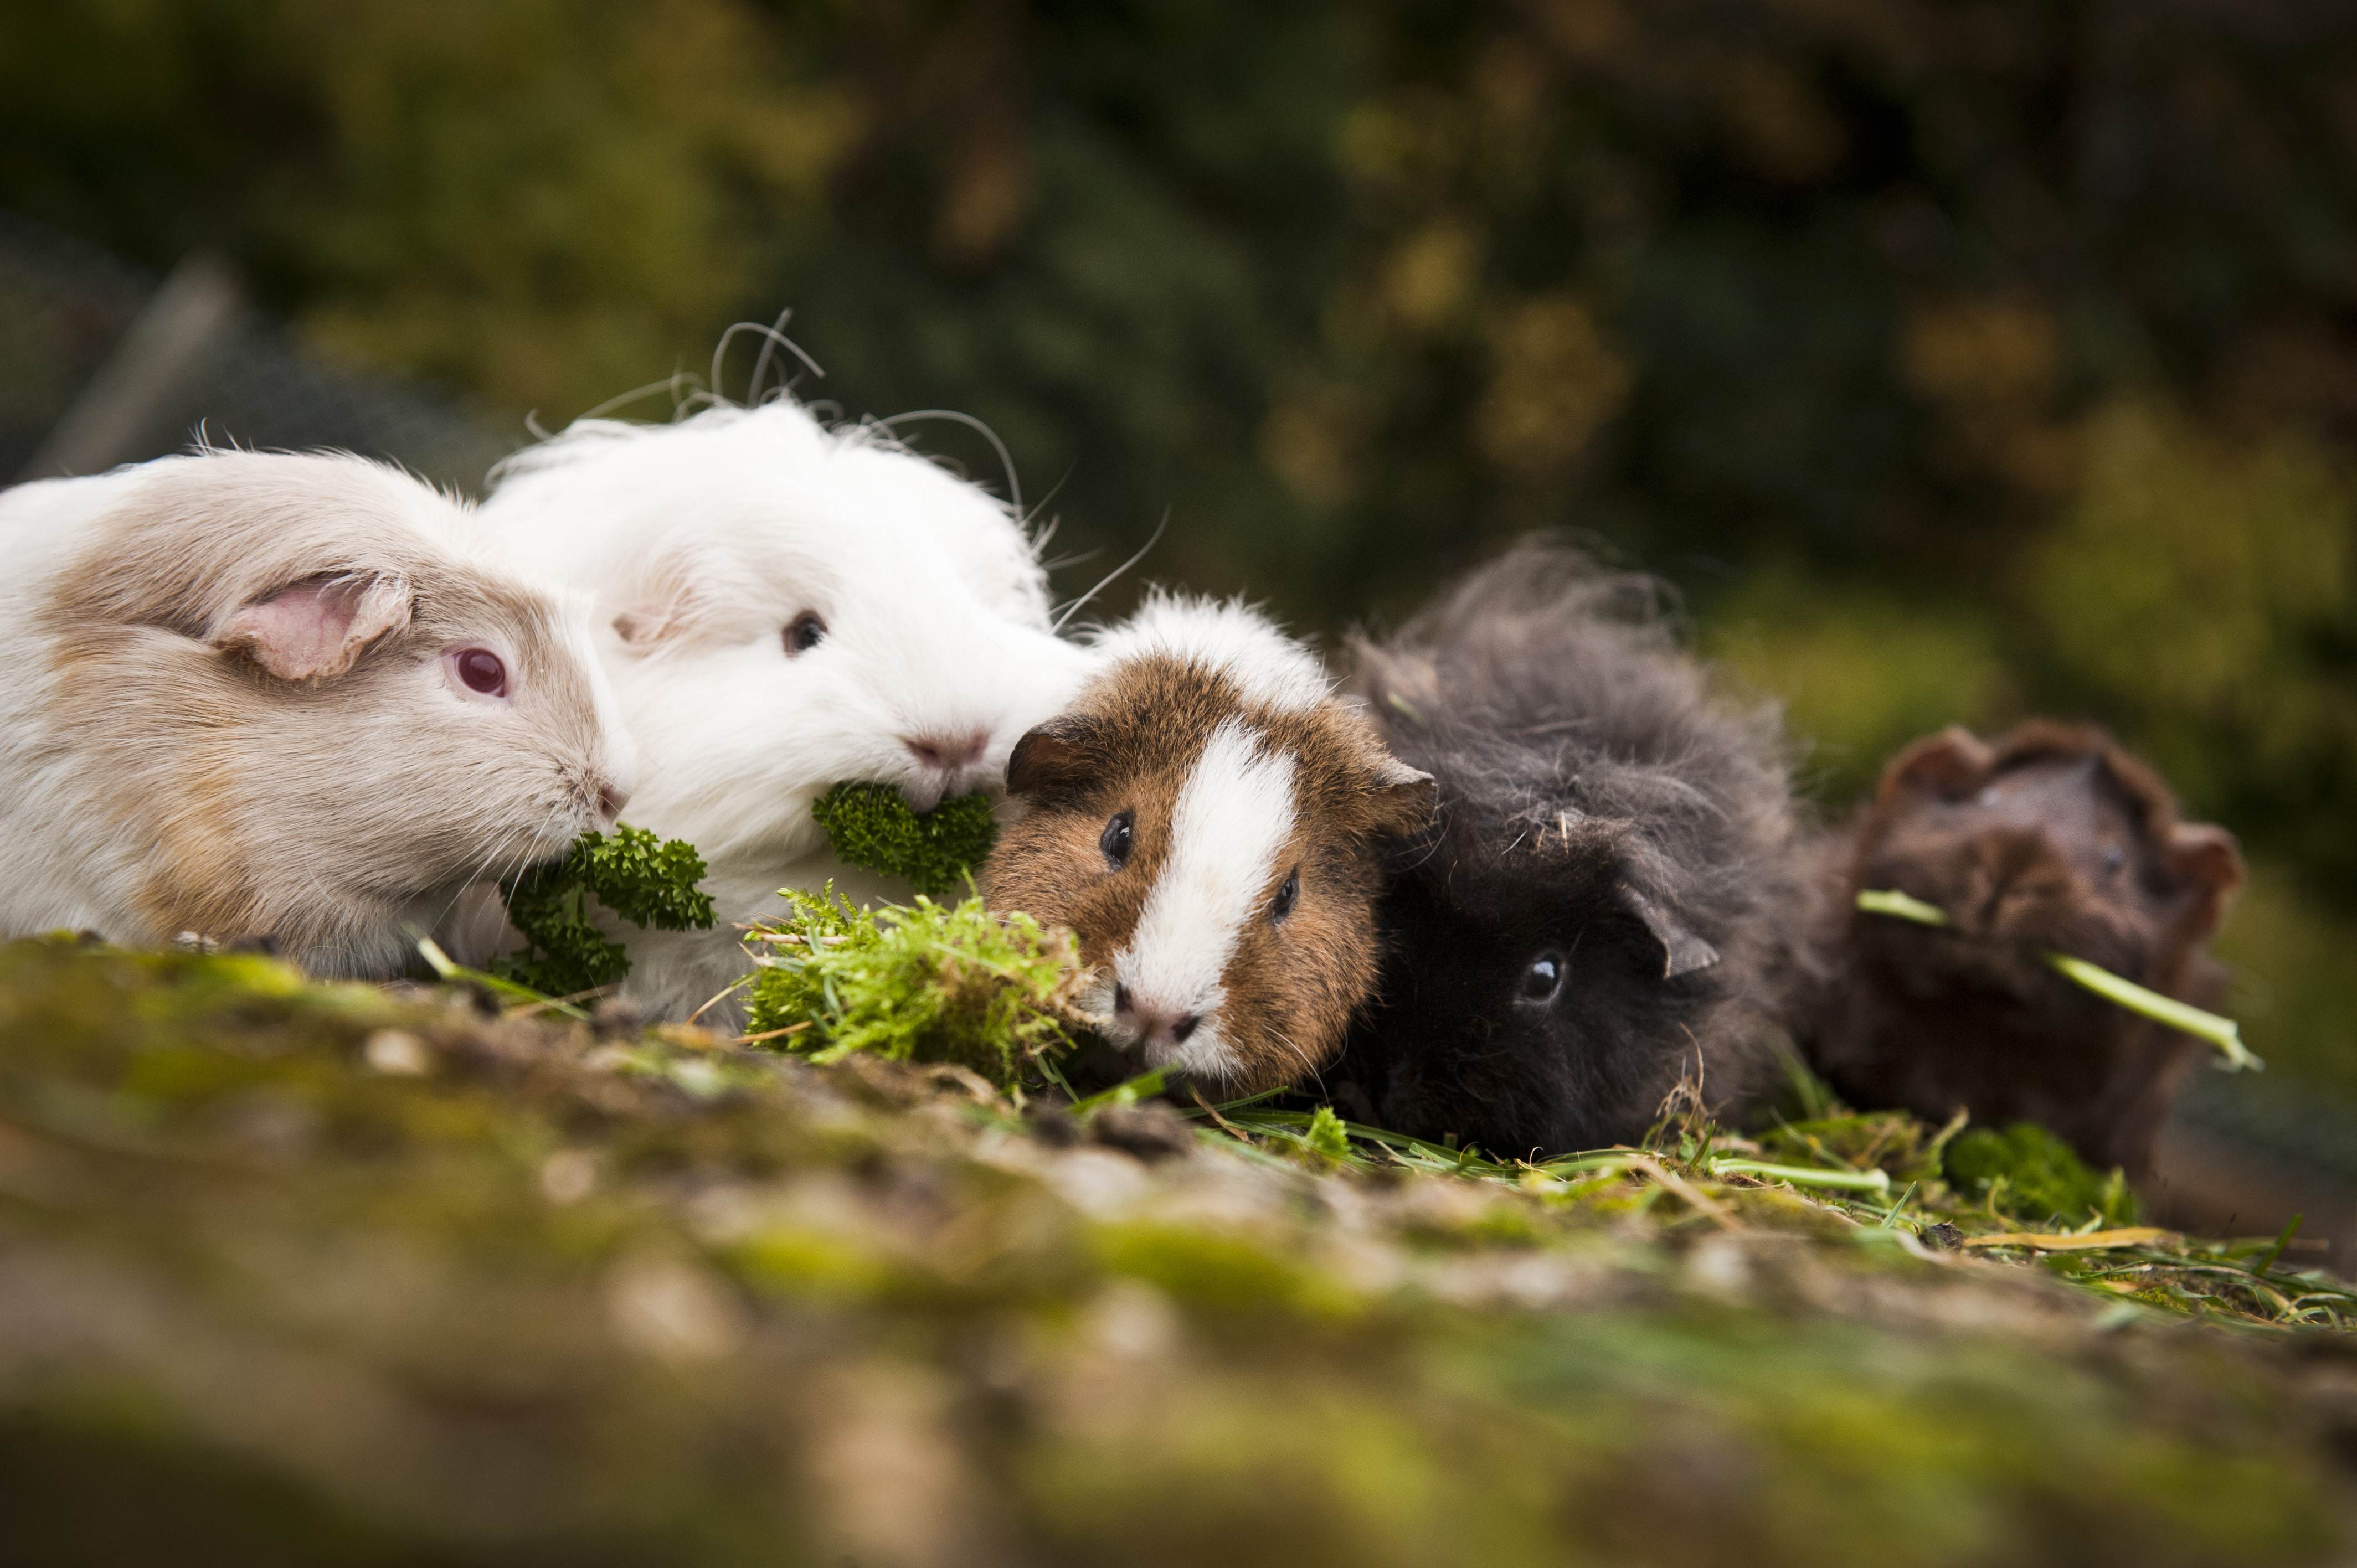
(725, 527)
(1234, 817)
(343, 816)
(1269, 669)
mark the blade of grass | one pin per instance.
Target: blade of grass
(1127, 1093)
(1803, 1175)
(444, 966)
(1893, 902)
(2281, 1243)
(2222, 1032)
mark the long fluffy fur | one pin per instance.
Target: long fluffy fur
(701, 543)
(1594, 802)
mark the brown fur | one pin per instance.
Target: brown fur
(316, 811)
(1129, 745)
(1933, 1021)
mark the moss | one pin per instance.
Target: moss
(539, 1296)
(2028, 1171)
(869, 825)
(929, 982)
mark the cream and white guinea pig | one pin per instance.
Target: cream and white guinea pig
(1210, 821)
(783, 607)
(259, 695)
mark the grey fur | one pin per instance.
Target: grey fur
(1594, 802)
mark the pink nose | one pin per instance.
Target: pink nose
(610, 801)
(1149, 1019)
(948, 753)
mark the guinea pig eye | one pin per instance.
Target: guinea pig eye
(1118, 839)
(480, 669)
(2114, 858)
(1541, 979)
(805, 632)
(1286, 896)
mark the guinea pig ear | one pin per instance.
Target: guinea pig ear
(313, 629)
(646, 625)
(1052, 755)
(2210, 862)
(1402, 801)
(1683, 953)
(1952, 763)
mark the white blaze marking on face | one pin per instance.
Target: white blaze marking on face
(1235, 816)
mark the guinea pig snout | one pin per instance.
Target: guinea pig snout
(948, 753)
(1149, 1023)
(2012, 874)
(946, 765)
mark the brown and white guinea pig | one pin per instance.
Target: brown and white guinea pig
(1584, 923)
(1208, 818)
(2052, 840)
(265, 695)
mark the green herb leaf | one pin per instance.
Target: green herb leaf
(646, 881)
(869, 825)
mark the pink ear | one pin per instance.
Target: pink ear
(648, 624)
(315, 628)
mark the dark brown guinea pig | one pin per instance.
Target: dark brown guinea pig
(2054, 839)
(1208, 818)
(1582, 926)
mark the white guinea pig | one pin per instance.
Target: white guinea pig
(783, 607)
(266, 695)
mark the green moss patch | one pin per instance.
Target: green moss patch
(331, 1273)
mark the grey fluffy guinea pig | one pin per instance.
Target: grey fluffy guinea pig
(1208, 818)
(280, 696)
(1583, 925)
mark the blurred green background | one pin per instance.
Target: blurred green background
(1957, 361)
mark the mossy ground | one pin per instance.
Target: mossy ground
(300, 1273)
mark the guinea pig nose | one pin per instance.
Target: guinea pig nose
(948, 752)
(1121, 1001)
(610, 801)
(1185, 1027)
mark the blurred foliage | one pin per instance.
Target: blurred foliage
(1961, 360)
(318, 1274)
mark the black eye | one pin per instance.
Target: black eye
(1118, 839)
(805, 632)
(2114, 857)
(1542, 978)
(1286, 896)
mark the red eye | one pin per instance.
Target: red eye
(480, 669)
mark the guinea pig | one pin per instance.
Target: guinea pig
(782, 607)
(1208, 818)
(2054, 839)
(253, 695)
(1581, 926)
